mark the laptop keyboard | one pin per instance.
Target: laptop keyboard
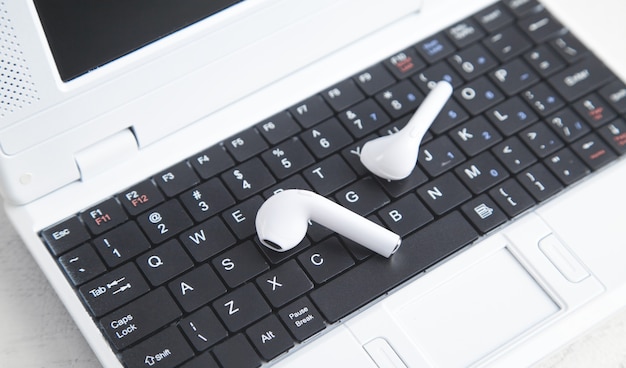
(172, 273)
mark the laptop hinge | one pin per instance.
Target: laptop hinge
(105, 154)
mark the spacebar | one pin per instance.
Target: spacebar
(378, 275)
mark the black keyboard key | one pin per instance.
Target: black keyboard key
(521, 7)
(615, 94)
(287, 158)
(329, 175)
(514, 76)
(364, 118)
(104, 216)
(207, 199)
(363, 197)
(211, 161)
(164, 262)
(140, 197)
(205, 360)
(377, 275)
(82, 264)
(164, 221)
(240, 264)
(450, 116)
(541, 26)
(270, 337)
(514, 154)
(494, 17)
(241, 307)
(302, 319)
(343, 95)
(245, 144)
(543, 99)
(236, 352)
(121, 244)
(541, 139)
(240, 218)
(478, 95)
(248, 179)
(325, 260)
(311, 111)
(374, 79)
(435, 48)
(570, 48)
(139, 318)
(566, 166)
(284, 283)
(481, 172)
(400, 99)
(472, 62)
(176, 179)
(207, 239)
(568, 125)
(475, 136)
(581, 78)
(278, 127)
(439, 156)
(484, 213)
(404, 63)
(444, 193)
(428, 78)
(594, 151)
(507, 43)
(544, 60)
(326, 138)
(465, 32)
(113, 289)
(511, 116)
(539, 182)
(278, 257)
(615, 134)
(65, 236)
(405, 215)
(397, 188)
(203, 329)
(511, 197)
(167, 349)
(594, 110)
(197, 287)
(294, 182)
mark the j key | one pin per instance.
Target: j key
(377, 275)
(247, 179)
(541, 139)
(241, 307)
(364, 118)
(113, 289)
(329, 175)
(343, 95)
(169, 345)
(374, 79)
(278, 342)
(164, 221)
(245, 144)
(507, 43)
(514, 76)
(429, 77)
(544, 60)
(325, 260)
(568, 125)
(400, 99)
(164, 262)
(197, 287)
(237, 352)
(121, 244)
(302, 318)
(139, 318)
(104, 216)
(475, 136)
(615, 94)
(176, 179)
(511, 197)
(540, 26)
(511, 116)
(566, 166)
(444, 193)
(311, 111)
(465, 32)
(240, 218)
(435, 48)
(615, 134)
(581, 78)
(284, 283)
(207, 239)
(140, 197)
(484, 213)
(65, 236)
(203, 329)
(570, 48)
(594, 151)
(478, 95)
(405, 215)
(543, 99)
(82, 264)
(326, 138)
(363, 197)
(278, 127)
(481, 172)
(206, 199)
(539, 182)
(211, 161)
(404, 63)
(440, 155)
(494, 17)
(514, 154)
(472, 61)
(287, 158)
(240, 264)
(594, 110)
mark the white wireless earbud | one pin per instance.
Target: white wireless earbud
(393, 157)
(283, 219)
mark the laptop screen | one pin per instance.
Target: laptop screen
(86, 34)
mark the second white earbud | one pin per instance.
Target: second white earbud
(393, 157)
(283, 220)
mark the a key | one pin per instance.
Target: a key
(197, 287)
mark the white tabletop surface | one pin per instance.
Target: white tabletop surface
(36, 331)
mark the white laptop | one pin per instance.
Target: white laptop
(138, 139)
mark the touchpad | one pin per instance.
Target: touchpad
(481, 309)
